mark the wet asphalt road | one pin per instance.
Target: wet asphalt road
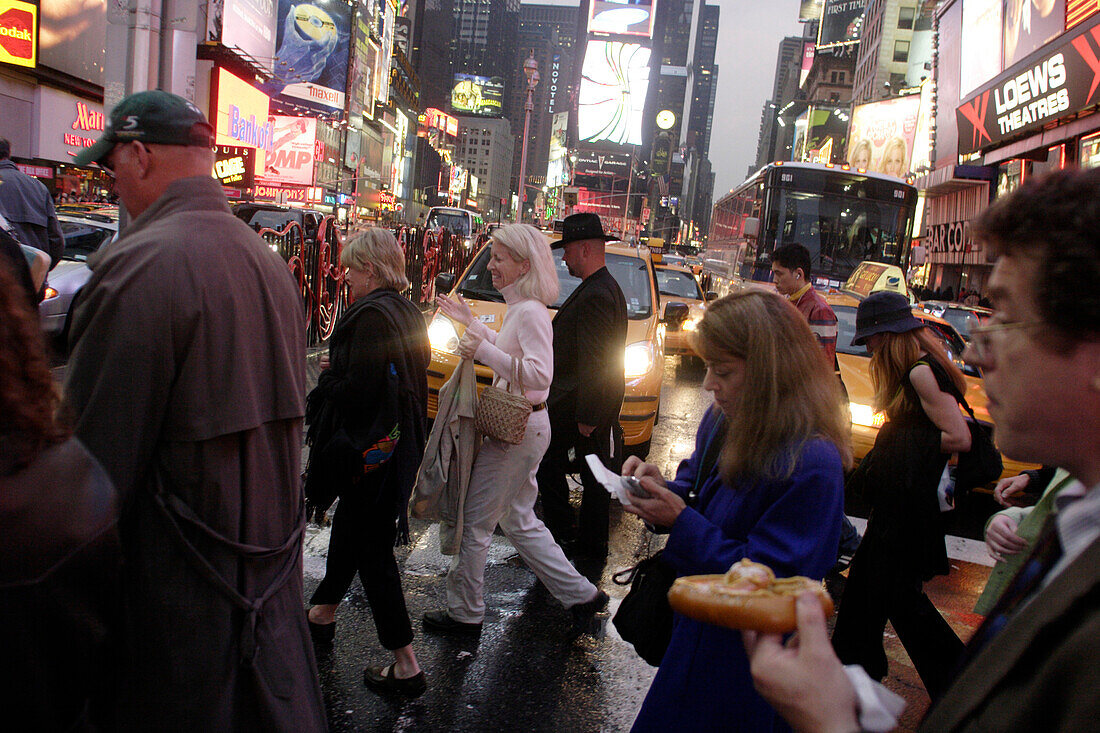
(522, 673)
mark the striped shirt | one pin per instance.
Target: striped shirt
(820, 316)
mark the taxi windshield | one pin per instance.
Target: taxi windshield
(630, 272)
(677, 284)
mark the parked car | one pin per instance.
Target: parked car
(678, 285)
(260, 215)
(85, 234)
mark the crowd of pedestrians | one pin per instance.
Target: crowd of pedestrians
(151, 572)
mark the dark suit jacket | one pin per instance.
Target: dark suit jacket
(589, 343)
(1042, 672)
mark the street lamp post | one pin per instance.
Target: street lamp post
(531, 71)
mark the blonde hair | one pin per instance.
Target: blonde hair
(379, 248)
(895, 143)
(527, 244)
(894, 358)
(790, 394)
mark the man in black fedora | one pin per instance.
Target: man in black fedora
(587, 391)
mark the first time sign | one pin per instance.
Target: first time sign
(18, 33)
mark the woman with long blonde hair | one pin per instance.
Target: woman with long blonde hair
(774, 494)
(916, 386)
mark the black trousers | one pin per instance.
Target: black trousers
(588, 533)
(363, 534)
(879, 590)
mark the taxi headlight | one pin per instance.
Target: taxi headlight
(442, 334)
(866, 416)
(638, 359)
(692, 323)
(49, 293)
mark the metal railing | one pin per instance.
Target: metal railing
(315, 264)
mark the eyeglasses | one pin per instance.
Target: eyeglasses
(981, 336)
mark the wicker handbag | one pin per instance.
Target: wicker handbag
(502, 415)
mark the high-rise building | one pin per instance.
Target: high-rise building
(882, 65)
(706, 79)
(485, 147)
(551, 33)
(784, 89)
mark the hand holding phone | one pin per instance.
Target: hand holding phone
(631, 484)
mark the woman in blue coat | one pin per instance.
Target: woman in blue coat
(775, 496)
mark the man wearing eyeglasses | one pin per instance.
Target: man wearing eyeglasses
(186, 382)
(1032, 664)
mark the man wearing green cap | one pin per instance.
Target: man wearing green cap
(186, 382)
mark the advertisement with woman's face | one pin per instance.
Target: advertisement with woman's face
(1028, 24)
(882, 136)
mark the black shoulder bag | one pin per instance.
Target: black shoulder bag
(982, 463)
(644, 617)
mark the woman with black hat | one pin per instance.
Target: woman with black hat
(915, 385)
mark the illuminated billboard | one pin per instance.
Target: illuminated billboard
(71, 37)
(634, 18)
(478, 95)
(241, 115)
(883, 135)
(311, 63)
(841, 22)
(1029, 25)
(981, 44)
(245, 25)
(18, 33)
(614, 82)
(555, 166)
(291, 161)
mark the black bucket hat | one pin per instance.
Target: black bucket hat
(150, 117)
(578, 227)
(884, 312)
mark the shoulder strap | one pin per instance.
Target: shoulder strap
(710, 457)
(959, 397)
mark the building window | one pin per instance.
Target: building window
(906, 17)
(897, 81)
(901, 51)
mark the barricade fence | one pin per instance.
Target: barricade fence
(315, 265)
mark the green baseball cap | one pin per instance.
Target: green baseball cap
(150, 117)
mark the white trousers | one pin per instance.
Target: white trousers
(503, 491)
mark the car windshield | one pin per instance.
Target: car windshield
(456, 222)
(677, 284)
(265, 218)
(959, 318)
(949, 338)
(83, 239)
(630, 272)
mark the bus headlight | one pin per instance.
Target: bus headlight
(442, 334)
(638, 359)
(866, 416)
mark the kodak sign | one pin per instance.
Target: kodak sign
(18, 33)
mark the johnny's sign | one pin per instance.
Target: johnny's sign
(1062, 78)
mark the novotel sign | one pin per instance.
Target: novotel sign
(1063, 78)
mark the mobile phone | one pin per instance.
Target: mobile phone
(631, 484)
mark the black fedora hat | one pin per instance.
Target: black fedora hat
(578, 227)
(884, 311)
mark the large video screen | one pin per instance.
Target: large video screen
(884, 134)
(981, 44)
(477, 95)
(71, 37)
(622, 17)
(614, 82)
(1029, 25)
(311, 63)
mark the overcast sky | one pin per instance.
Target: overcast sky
(749, 32)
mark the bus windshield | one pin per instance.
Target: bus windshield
(457, 221)
(839, 232)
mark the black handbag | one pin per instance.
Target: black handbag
(644, 618)
(982, 463)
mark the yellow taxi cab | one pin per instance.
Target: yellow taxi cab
(676, 284)
(855, 363)
(632, 268)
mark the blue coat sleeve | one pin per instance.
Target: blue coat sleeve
(796, 532)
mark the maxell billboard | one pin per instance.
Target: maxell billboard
(1063, 78)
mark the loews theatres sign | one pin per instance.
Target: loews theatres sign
(18, 33)
(1063, 78)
